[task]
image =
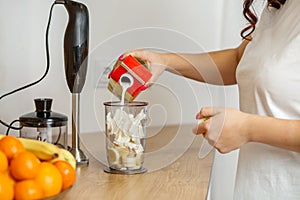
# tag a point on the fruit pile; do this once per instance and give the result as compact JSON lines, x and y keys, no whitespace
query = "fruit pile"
{"x":30,"y":169}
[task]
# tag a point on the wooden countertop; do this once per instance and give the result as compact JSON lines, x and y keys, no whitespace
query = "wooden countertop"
{"x":174,"y":169}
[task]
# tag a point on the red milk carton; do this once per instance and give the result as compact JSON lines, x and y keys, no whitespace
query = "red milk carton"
{"x":136,"y":69}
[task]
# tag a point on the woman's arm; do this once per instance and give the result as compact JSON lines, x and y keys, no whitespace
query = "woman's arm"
{"x":228,"y":129}
{"x":273,"y":131}
{"x":214,"y":67}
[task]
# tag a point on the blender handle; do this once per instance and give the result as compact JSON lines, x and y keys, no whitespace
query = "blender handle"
{"x":76,"y":45}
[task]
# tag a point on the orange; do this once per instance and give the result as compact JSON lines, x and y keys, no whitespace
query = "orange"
{"x":9,"y":177}
{"x":28,"y":190}
{"x":67,"y":172}
{"x":6,"y":187}
{"x":49,"y":178}
{"x":24,"y":166}
{"x":11,"y":146}
{"x":3,"y":162}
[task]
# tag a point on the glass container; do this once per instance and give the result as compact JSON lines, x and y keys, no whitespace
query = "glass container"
{"x":125,"y":137}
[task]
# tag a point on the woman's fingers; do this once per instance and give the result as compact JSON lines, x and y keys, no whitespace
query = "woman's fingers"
{"x":153,"y":61}
{"x":138,"y":53}
{"x":202,"y":127}
{"x":208,"y":112}
{"x":211,"y":123}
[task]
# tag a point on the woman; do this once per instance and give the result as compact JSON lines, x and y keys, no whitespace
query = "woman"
{"x":266,"y":67}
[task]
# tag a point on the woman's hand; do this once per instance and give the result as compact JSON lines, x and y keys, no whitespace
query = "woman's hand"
{"x":156,"y":62}
{"x":224,"y":128}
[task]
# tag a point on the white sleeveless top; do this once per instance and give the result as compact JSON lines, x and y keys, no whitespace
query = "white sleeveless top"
{"x":268,"y":78}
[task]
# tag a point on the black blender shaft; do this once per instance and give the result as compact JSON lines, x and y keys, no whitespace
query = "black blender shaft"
{"x":76,"y":45}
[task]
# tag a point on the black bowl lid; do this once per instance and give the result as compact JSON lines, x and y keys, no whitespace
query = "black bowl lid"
{"x":43,"y":116}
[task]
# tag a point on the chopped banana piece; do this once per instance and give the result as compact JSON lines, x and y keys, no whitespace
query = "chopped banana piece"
{"x":113,"y":156}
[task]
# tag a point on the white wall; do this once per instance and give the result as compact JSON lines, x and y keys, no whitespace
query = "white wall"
{"x":117,"y":26}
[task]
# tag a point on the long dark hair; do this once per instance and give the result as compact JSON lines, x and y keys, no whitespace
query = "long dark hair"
{"x":250,"y":16}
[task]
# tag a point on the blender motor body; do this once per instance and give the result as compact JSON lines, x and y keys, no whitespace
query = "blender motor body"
{"x":76,"y":47}
{"x":76,"y":41}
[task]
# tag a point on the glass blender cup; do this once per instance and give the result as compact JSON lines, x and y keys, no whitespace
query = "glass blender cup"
{"x":125,"y":137}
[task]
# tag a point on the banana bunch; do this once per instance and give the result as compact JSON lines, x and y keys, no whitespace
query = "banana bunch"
{"x":46,"y":151}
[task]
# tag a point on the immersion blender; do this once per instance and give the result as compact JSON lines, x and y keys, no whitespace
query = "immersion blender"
{"x":76,"y":46}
